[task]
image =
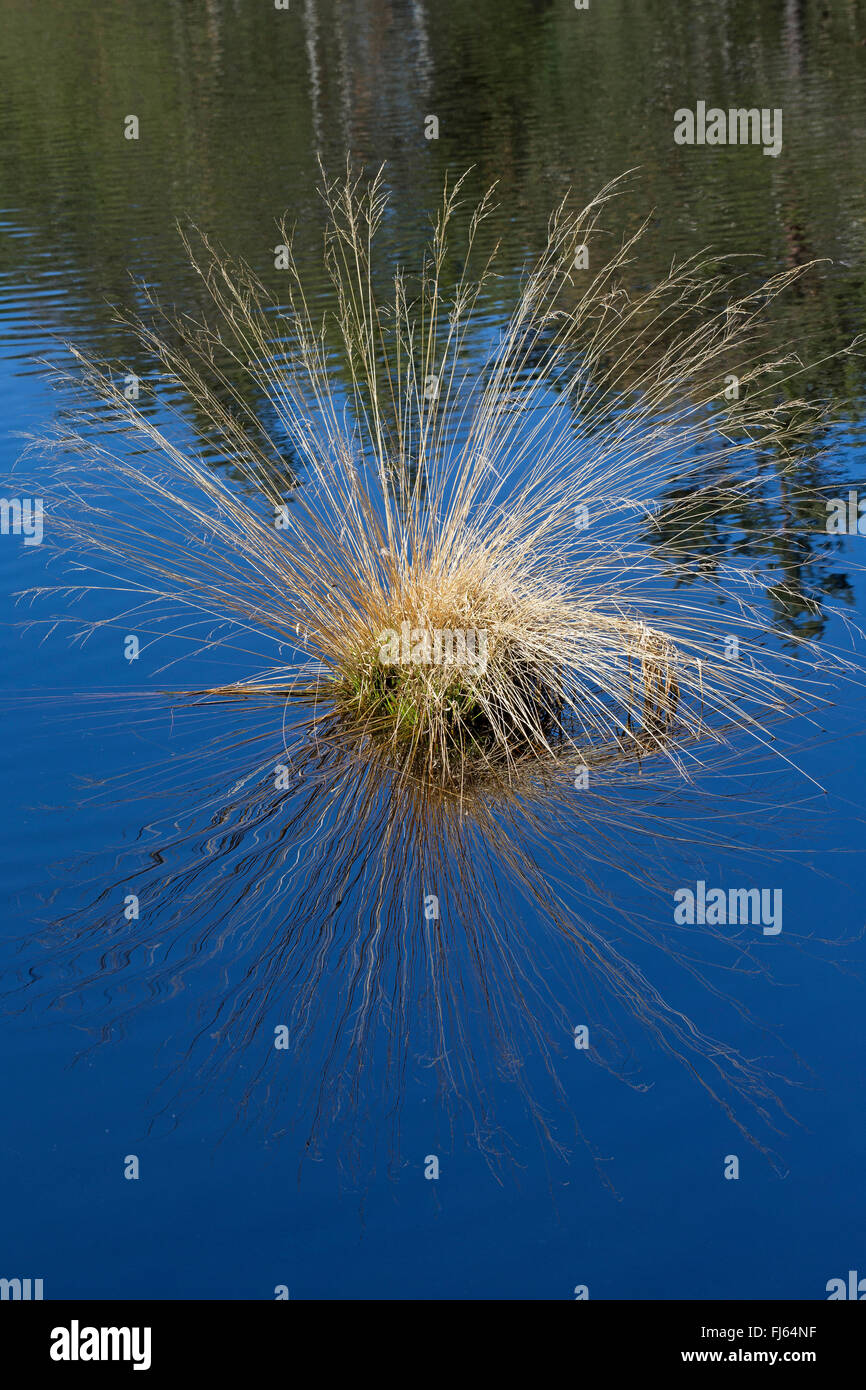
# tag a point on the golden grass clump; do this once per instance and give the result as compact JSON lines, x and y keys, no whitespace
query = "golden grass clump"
{"x":451,"y":528}
{"x":454,"y":560}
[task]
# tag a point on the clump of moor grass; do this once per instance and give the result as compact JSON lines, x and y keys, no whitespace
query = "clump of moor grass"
{"x":454,"y":669}
{"x":445,"y":479}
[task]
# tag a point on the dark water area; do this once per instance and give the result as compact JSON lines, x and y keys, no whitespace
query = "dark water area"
{"x":305,"y":1166}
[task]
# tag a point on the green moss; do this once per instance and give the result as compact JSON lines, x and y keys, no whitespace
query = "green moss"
{"x":436,"y":712}
{"x":396,"y":702}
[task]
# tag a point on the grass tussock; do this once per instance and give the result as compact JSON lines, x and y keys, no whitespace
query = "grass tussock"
{"x":426,"y":475}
